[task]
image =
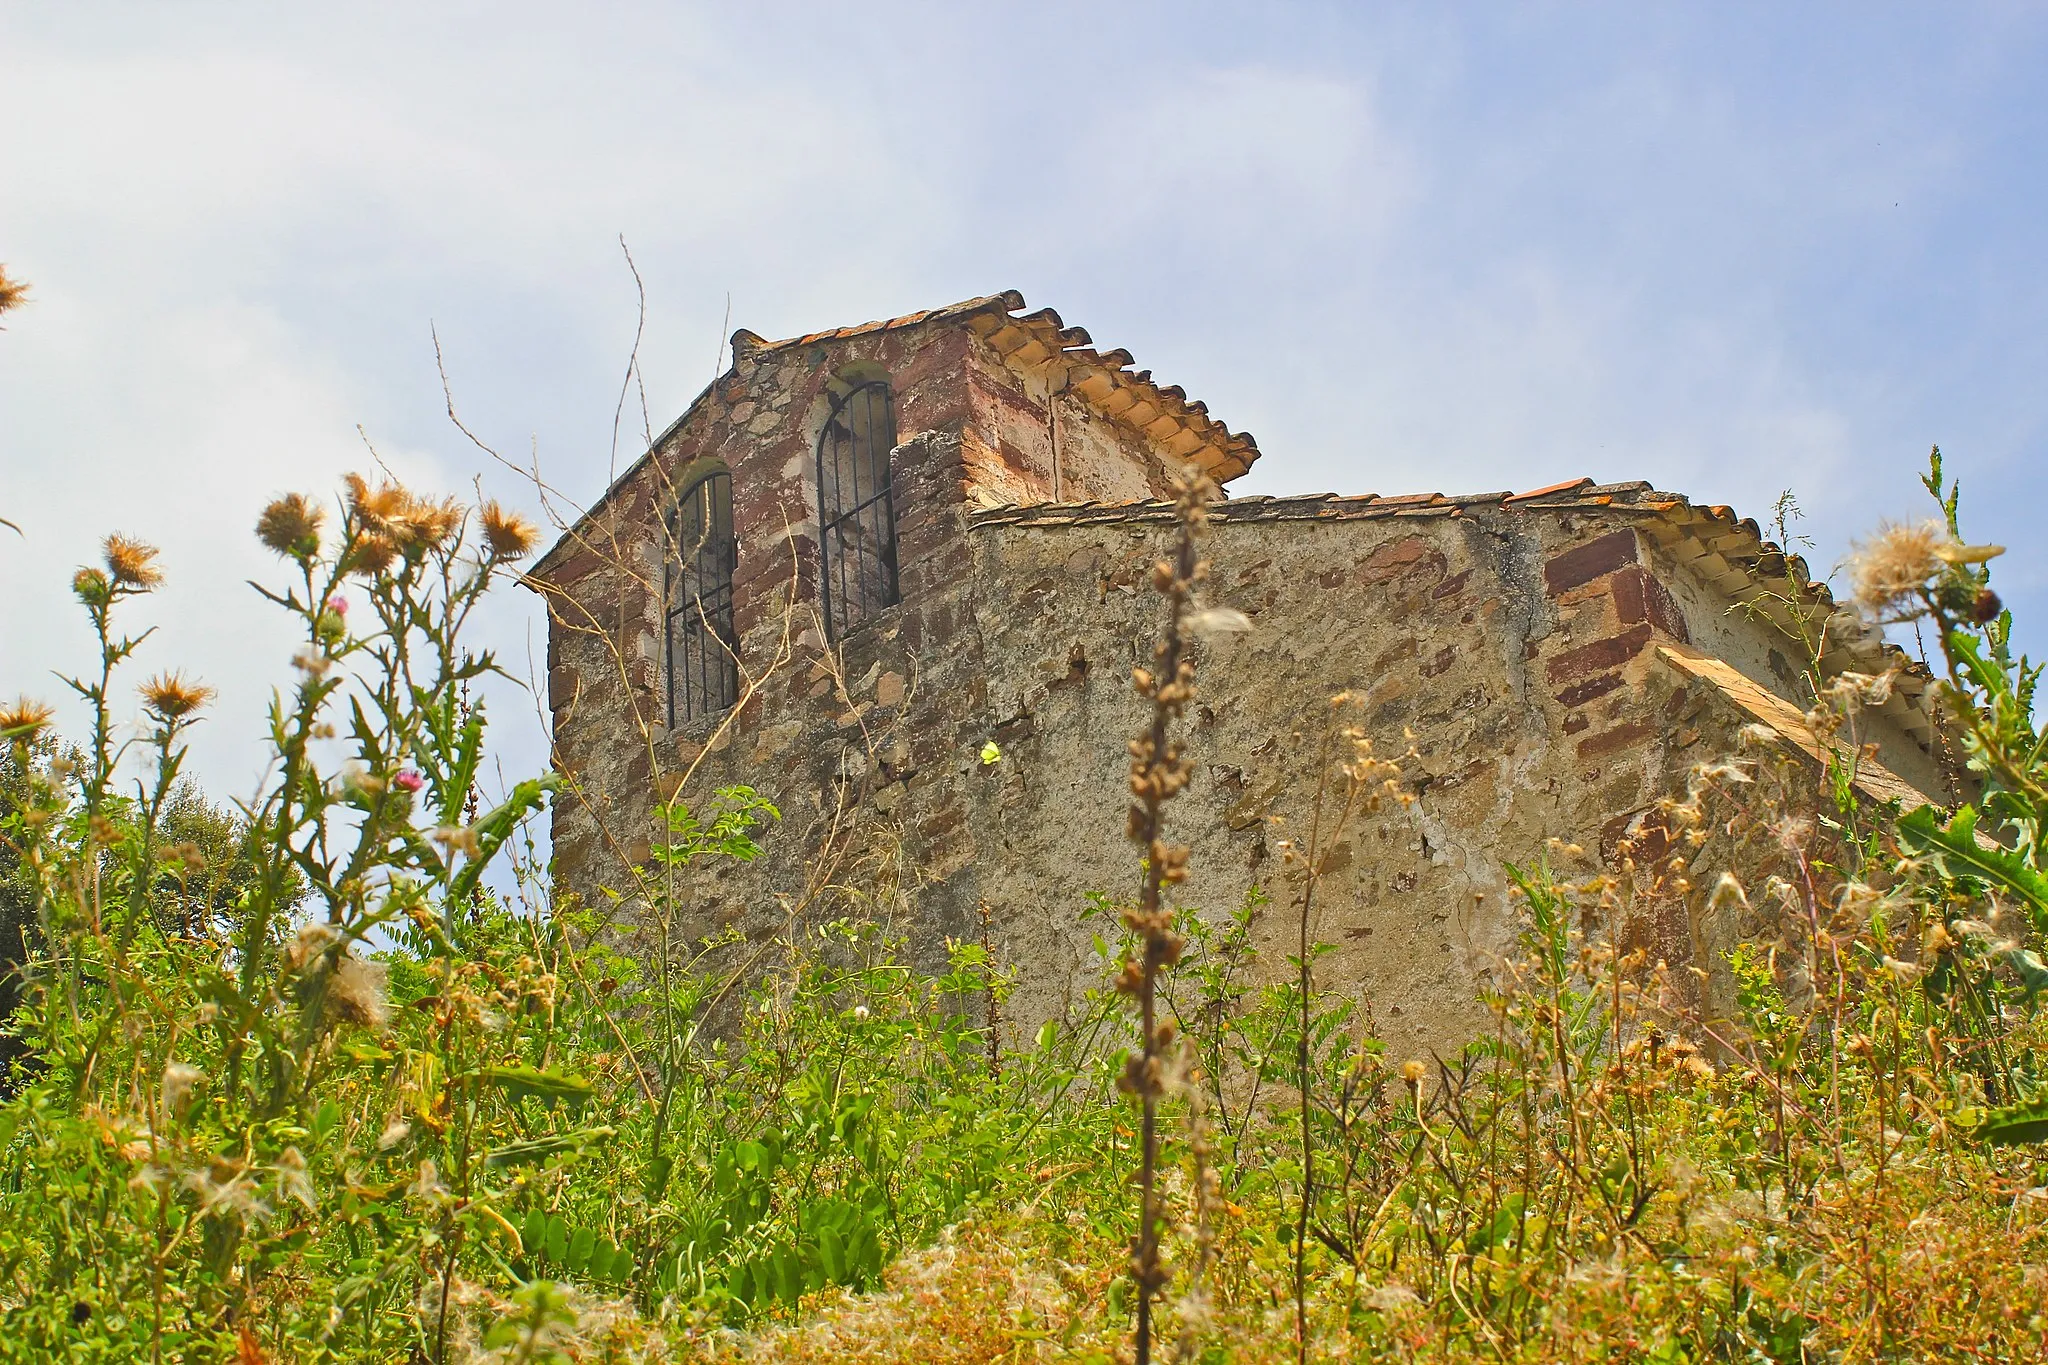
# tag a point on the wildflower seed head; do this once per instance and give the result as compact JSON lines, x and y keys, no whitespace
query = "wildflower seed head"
{"x":24,"y":717}
{"x":1413,"y":1070}
{"x":375,"y":508}
{"x":13,"y":292}
{"x":1888,"y":570}
{"x":172,"y":697}
{"x":426,"y":524}
{"x":178,"y":1084}
{"x":509,"y":535}
{"x":356,"y":994}
{"x":309,"y":943}
{"x":1211,"y":622}
{"x":131,"y":563}
{"x":457,"y":839}
{"x":293,"y":1181}
{"x":371,"y":555}
{"x":291,"y":526}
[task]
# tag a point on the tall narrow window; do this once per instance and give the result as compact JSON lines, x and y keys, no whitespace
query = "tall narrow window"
{"x":703,"y":673}
{"x":856,"y":507}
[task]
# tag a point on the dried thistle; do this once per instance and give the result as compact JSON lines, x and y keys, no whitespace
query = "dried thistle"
{"x":356,"y":992}
{"x":13,"y":292}
{"x":171,"y":697}
{"x":371,"y":555}
{"x":375,"y":509}
{"x":457,"y":839}
{"x":391,"y":520}
{"x":178,"y":1084}
{"x":509,"y":535}
{"x":426,"y":523}
{"x":1888,"y":571}
{"x":293,"y":1180}
{"x":291,"y":525}
{"x":309,"y":943}
{"x":24,"y":717}
{"x":131,"y":563}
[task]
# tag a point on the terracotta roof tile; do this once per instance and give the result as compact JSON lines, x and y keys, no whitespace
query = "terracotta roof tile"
{"x":1104,"y":379}
{"x":1568,"y":486}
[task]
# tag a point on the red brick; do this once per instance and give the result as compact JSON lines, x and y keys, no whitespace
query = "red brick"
{"x":1580,"y":693}
{"x":1403,"y":557}
{"x":1640,"y":598}
{"x":1620,"y":737}
{"x":561,"y":687}
{"x":1598,"y":657}
{"x":1453,"y":585}
{"x":576,"y":567}
{"x":1584,"y":563}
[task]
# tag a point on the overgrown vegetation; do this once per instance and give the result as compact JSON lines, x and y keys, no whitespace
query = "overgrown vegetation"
{"x":303,"y":1082}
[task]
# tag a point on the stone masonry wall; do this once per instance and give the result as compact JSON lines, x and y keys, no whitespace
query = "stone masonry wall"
{"x":1509,"y":646}
{"x":1513,"y":649}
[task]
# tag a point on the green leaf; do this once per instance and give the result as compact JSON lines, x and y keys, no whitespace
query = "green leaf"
{"x":2025,"y":1121}
{"x":1507,"y":1218}
{"x":324,"y":1119}
{"x":537,"y":1151}
{"x":525,"y":1082}
{"x":580,"y":1246}
{"x":1959,"y":852}
{"x":534,"y":1231}
{"x":496,"y":827}
{"x":556,"y":1240}
{"x":740,"y":1282}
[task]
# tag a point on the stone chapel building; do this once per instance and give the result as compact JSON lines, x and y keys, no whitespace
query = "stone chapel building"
{"x":863,"y":556}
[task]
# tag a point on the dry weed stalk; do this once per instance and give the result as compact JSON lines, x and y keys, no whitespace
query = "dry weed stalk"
{"x":1158,"y":773}
{"x":1368,"y":784}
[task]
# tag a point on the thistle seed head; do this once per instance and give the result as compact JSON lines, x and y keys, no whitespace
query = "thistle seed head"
{"x":509,"y":535}
{"x":1888,"y":570}
{"x":131,"y":563}
{"x":24,"y":717}
{"x":172,"y":697}
{"x":291,"y":525}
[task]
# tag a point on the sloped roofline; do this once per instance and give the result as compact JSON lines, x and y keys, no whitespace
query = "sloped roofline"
{"x":1730,"y":555}
{"x":1033,"y":341}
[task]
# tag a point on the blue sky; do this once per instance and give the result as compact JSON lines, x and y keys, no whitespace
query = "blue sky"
{"x":1731,"y":249}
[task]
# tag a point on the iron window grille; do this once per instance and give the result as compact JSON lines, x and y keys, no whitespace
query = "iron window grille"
{"x":703,"y":669}
{"x":857,"y":508}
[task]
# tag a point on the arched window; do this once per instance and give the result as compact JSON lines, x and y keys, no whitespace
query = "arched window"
{"x":856,"y":507}
{"x":703,"y":673}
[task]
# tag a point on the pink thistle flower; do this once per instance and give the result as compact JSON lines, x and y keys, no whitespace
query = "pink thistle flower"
{"x":408,"y":780}
{"x":338,"y":605}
